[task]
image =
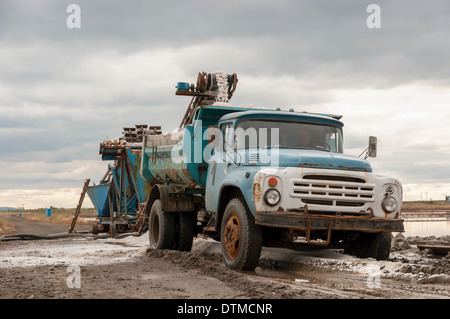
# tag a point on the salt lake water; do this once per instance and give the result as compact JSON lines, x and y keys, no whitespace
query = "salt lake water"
{"x":427,"y":227}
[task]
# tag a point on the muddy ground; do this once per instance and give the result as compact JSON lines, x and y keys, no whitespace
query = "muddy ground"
{"x":127,"y":268}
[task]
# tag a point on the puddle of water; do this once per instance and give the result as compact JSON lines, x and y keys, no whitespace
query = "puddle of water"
{"x":152,"y":276}
{"x":278,"y":274}
{"x":301,"y":280}
{"x":64,"y":252}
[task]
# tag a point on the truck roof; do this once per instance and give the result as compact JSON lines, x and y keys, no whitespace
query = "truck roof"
{"x":210,"y":114}
{"x":287,"y":115}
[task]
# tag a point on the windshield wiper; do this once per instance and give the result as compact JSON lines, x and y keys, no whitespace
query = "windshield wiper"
{"x":322,"y":148}
{"x":283,"y":146}
{"x":317,"y":147}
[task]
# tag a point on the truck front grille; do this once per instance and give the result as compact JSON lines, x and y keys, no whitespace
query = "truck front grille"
{"x":334,"y":191}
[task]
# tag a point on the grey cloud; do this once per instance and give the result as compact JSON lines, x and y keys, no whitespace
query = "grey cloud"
{"x":305,"y":39}
{"x":413,"y":166}
{"x":63,"y":91}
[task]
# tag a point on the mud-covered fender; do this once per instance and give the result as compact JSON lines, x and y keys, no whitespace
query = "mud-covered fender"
{"x":242,"y":179}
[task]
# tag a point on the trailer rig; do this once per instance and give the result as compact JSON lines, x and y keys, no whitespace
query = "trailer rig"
{"x":121,"y":195}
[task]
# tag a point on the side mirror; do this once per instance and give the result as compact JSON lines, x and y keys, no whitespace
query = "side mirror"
{"x":372,"y":151}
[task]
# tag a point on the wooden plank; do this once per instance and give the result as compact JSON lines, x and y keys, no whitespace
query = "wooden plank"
{"x":437,"y":249}
{"x":80,"y":202}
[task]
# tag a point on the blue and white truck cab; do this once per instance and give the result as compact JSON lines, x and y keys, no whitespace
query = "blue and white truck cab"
{"x":289,"y":172}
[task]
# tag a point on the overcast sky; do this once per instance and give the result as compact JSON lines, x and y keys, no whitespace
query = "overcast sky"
{"x":64,"y":90}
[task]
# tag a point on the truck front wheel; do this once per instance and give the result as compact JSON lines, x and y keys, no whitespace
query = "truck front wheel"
{"x":161,"y":227}
{"x":241,"y":238}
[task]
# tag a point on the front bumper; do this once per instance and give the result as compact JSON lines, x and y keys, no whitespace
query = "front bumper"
{"x":311,"y":222}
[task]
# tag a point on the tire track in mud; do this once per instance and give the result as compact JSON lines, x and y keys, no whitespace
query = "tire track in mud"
{"x":251,"y":288}
{"x":254,"y":285}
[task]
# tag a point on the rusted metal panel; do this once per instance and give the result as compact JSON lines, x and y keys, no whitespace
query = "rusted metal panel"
{"x":174,"y":199}
{"x":257,"y":192}
{"x":299,"y":221}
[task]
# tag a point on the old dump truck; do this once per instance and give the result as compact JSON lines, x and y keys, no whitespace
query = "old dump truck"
{"x":247,"y":177}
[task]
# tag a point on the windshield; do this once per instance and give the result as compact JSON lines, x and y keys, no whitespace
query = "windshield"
{"x":288,"y":134}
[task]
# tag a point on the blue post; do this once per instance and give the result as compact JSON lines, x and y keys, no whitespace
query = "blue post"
{"x":48,"y":212}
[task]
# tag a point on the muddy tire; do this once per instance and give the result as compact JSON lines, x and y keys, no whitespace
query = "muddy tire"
{"x":241,"y":238}
{"x":377,"y":246}
{"x":161,"y":227}
{"x":95,"y":229}
{"x":185,"y":231}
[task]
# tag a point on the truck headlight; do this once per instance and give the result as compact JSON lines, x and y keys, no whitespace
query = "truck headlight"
{"x":389,"y":204}
{"x":272,"y":197}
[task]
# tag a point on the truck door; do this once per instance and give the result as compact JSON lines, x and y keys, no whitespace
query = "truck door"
{"x":218,"y":167}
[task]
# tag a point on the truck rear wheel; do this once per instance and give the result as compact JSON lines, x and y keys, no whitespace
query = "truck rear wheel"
{"x":241,"y":238}
{"x":376,"y":246}
{"x":161,"y":227}
{"x":185,"y":231}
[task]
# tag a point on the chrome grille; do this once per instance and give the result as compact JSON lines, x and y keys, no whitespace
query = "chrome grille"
{"x":328,"y":190}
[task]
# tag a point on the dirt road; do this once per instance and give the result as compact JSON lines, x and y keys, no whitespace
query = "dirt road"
{"x":25,"y":226}
{"x":127,"y":268}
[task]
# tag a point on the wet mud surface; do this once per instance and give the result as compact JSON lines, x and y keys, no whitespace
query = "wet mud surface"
{"x":128,"y":268}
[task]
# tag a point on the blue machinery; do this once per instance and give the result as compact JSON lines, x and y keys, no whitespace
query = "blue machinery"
{"x":120,"y":196}
{"x":142,"y":158}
